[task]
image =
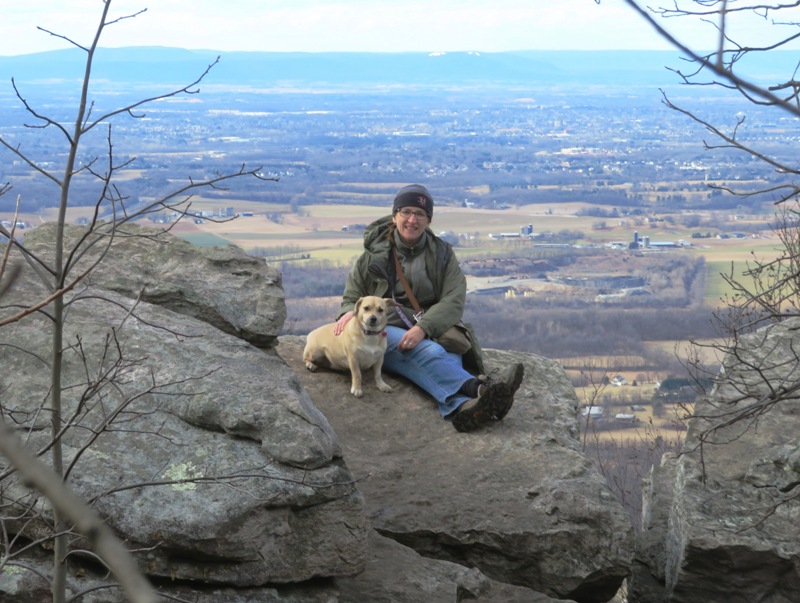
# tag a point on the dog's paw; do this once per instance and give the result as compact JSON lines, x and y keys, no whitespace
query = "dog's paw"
{"x":311,"y":366}
{"x":384,"y":387}
{"x":356,"y":391}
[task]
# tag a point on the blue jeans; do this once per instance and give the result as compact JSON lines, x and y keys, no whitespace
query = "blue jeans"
{"x":431,"y":367}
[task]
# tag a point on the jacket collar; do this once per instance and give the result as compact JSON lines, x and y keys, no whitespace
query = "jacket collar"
{"x":411,"y":250}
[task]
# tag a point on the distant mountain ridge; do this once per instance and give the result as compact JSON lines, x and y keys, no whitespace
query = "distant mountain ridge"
{"x":534,"y":67}
{"x":163,"y":65}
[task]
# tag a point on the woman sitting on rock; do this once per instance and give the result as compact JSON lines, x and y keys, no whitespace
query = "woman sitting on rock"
{"x":428,"y":343}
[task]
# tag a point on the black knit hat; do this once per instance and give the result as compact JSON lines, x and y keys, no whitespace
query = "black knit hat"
{"x":414,"y":195}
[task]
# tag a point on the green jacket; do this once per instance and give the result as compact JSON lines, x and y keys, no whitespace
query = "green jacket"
{"x":374,"y":274}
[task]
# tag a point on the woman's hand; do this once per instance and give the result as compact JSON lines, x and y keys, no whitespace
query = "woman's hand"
{"x":411,"y":338}
{"x":343,"y":320}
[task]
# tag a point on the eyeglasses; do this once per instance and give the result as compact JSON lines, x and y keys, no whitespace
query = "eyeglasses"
{"x":407,"y":213}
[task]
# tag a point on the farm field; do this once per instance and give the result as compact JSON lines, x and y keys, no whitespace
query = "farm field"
{"x":320,"y":219}
{"x":643,"y":420}
{"x":317,"y":233}
{"x":629,"y":417}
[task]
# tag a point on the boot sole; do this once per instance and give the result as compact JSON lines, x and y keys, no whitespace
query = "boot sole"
{"x":516,"y":381}
{"x":495,"y":400}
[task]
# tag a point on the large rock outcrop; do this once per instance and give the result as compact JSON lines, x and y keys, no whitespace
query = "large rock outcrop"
{"x":273,"y":501}
{"x":518,"y":500}
{"x":221,"y":471}
{"x":721,"y":521}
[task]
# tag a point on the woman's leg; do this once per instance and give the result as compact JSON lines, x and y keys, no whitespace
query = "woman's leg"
{"x":431,"y":367}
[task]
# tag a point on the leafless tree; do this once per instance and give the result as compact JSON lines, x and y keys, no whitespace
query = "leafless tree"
{"x":62,"y":278}
{"x":595,"y":377}
{"x":767,"y":292}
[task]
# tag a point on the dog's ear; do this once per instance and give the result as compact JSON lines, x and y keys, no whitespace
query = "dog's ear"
{"x":358,"y":305}
{"x":390,"y":303}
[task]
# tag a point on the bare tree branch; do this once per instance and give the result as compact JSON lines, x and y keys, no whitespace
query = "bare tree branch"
{"x":115,"y":555}
{"x":758,"y":374}
{"x":100,"y":402}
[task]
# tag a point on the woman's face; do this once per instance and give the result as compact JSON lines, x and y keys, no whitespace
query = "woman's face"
{"x":411,"y":224}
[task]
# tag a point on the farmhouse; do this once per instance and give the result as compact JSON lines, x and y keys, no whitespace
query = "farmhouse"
{"x":593,"y":412}
{"x":626,"y":419}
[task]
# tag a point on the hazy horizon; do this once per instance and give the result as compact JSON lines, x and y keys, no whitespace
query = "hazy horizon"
{"x":347,"y":26}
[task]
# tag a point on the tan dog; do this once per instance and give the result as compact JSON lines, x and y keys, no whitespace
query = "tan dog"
{"x":360,"y":346}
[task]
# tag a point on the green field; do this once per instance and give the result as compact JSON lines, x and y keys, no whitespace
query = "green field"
{"x":732,"y":260}
{"x":717,"y":288}
{"x":202,"y":239}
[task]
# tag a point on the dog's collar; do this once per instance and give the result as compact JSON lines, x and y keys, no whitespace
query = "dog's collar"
{"x":368,"y":332}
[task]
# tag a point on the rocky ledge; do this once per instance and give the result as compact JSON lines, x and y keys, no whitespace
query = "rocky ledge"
{"x":237,"y":475}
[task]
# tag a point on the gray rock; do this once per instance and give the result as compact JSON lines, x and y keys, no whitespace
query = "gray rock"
{"x":276,"y":504}
{"x":517,"y":500}
{"x":19,"y":586}
{"x":272,"y":502}
{"x":396,"y":574}
{"x":236,"y":293}
{"x":647,"y":581}
{"x":728,"y":513}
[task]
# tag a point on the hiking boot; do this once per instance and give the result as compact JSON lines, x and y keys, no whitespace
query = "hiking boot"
{"x":493,"y":399}
{"x":512,"y":376}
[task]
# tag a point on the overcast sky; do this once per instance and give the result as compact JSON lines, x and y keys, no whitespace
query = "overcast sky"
{"x":335,"y":25}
